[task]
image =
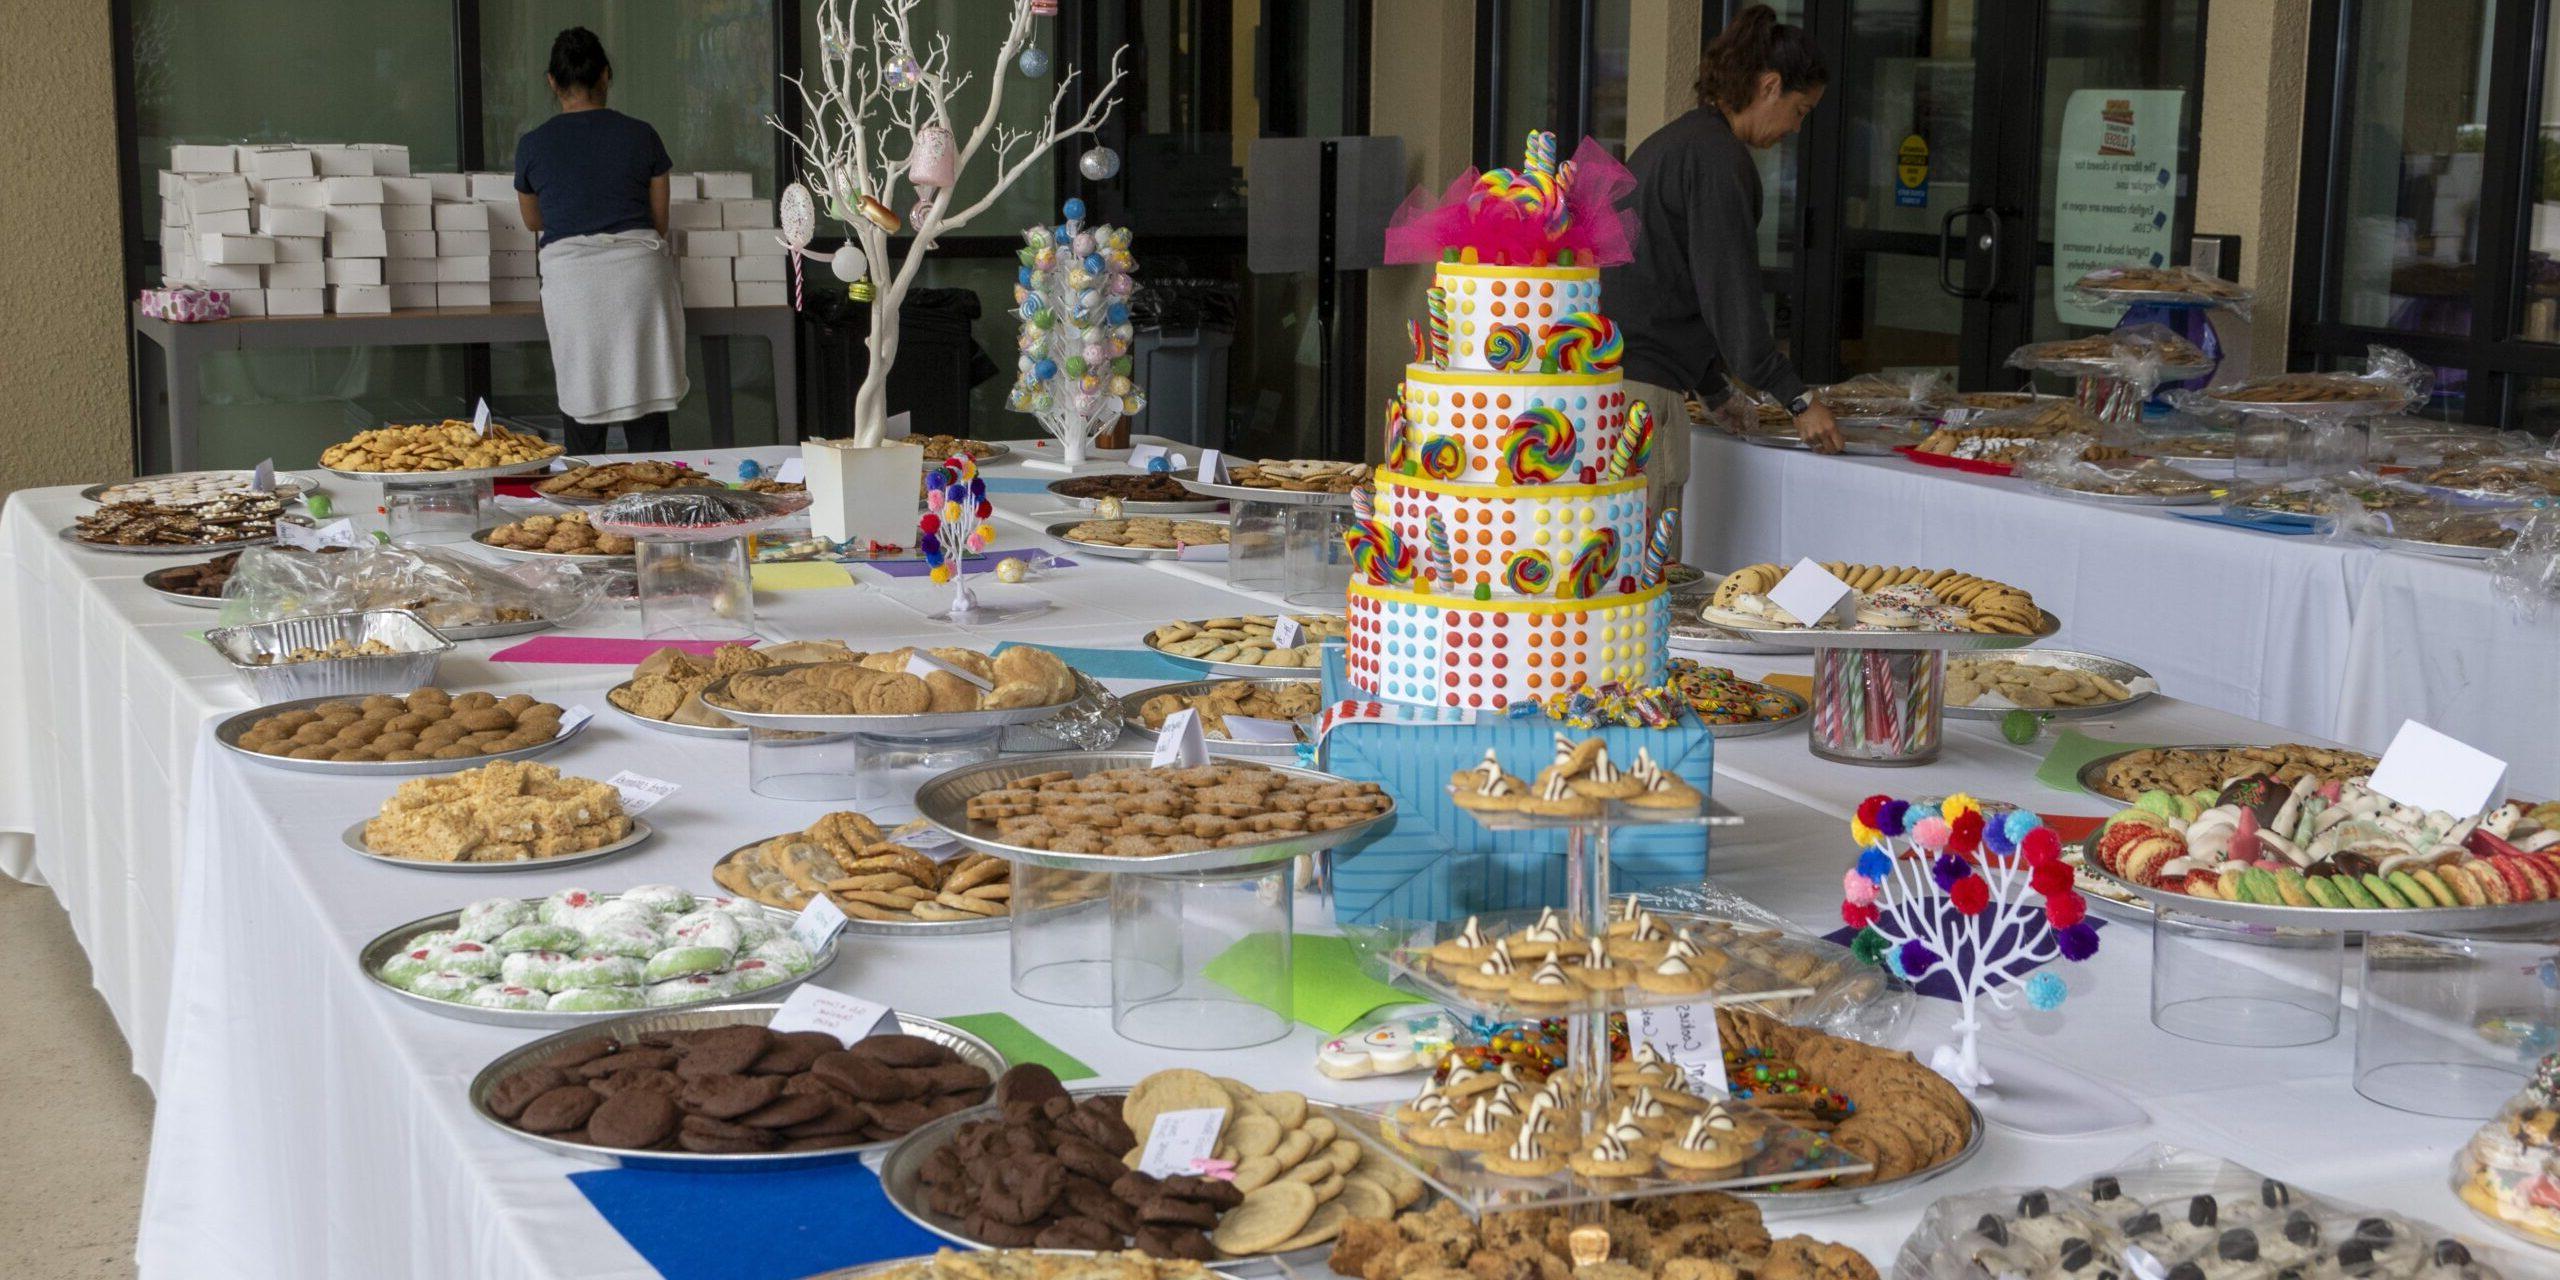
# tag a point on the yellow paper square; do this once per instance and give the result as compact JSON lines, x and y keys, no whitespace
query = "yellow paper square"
{"x":805,"y":576}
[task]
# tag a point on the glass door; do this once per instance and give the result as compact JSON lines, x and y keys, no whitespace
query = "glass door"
{"x":1965,"y":147}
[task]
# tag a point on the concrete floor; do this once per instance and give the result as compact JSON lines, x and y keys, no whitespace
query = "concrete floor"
{"x":77,"y":1123}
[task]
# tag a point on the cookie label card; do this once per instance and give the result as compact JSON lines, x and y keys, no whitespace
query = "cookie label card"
{"x":1213,"y":467}
{"x":1258,"y":729}
{"x":639,"y":793}
{"x":791,"y":471}
{"x":818,"y":923}
{"x":1180,"y":742}
{"x":1286,"y":633}
{"x":900,"y":426}
{"x":574,"y":719}
{"x":333,"y":533}
{"x":2425,"y":769}
{"x":1140,"y":456}
{"x":1179,"y":1140}
{"x":921,"y":664}
{"x":1809,"y":592}
{"x":811,"y":1007}
{"x":929,"y":840}
{"x":263,"y":477}
{"x":1686,"y":1034}
{"x":480,"y":417}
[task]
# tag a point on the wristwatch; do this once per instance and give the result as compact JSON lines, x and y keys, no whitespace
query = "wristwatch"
{"x":1802,"y":402}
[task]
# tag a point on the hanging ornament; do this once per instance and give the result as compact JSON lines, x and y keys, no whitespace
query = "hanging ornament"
{"x":860,"y":291}
{"x":1034,"y":62}
{"x":848,"y":262}
{"x":930,"y":161}
{"x":799,"y":223}
{"x":1100,"y":164}
{"x":1044,"y":8}
{"x":902,"y":72}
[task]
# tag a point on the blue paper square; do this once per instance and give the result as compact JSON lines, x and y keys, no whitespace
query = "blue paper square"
{"x":755,"y":1226}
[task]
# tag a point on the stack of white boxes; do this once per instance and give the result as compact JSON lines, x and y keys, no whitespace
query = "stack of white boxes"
{"x":296,"y":230}
{"x":728,"y":252}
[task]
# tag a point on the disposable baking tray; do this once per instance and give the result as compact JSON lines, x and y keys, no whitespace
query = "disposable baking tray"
{"x":353,"y":838}
{"x":229,"y":732}
{"x":1132,"y":703}
{"x":418,"y":649}
{"x":631,"y":1026}
{"x":716,"y":694}
{"x":2116,"y":669}
{"x":392,"y":941}
{"x":883,"y":928}
{"x":874,"y":1270}
{"x":1110,"y":552}
{"x":1757,"y":728}
{"x":944,"y":801}
{"x":1131,"y":507}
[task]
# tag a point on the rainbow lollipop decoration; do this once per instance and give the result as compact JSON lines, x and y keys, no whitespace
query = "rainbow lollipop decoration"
{"x":1399,"y":436}
{"x":953,"y":524}
{"x":1581,"y":342}
{"x":1377,"y":554}
{"x":1659,"y":546}
{"x":1444,"y":569}
{"x":1507,"y":347}
{"x":1588,"y":573}
{"x":1527,"y":572}
{"x":1538,"y":446}
{"x":1421,"y":339}
{"x":1443,"y":457}
{"x":1634,"y":446}
{"x":1436,"y":303}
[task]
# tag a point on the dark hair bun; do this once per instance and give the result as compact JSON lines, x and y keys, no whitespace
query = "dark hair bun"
{"x":1754,"y":44}
{"x":577,"y":59}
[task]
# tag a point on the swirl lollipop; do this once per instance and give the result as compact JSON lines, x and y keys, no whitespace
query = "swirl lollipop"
{"x":1435,"y":304}
{"x":1527,"y":572}
{"x":1366,"y":541}
{"x":1538,"y":446}
{"x":1443,"y":457}
{"x":1659,"y":548}
{"x":1589,"y":572}
{"x":1443,"y":566}
{"x":1582,"y":342}
{"x":1634,"y":446}
{"x":1507,"y":347}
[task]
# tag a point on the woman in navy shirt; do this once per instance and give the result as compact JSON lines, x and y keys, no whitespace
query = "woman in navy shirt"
{"x":593,"y":182}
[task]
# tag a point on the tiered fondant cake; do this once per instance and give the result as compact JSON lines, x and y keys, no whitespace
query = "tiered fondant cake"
{"x":1504,"y":553}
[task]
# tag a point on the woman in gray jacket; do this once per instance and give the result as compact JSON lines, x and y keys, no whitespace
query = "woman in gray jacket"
{"x":1690,"y":302}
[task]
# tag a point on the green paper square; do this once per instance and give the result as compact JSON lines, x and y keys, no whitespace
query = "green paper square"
{"x":1019,"y":1043}
{"x":1327,"y":988}
{"x":2072,"y":749}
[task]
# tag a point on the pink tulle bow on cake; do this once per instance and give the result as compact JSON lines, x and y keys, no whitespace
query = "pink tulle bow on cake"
{"x":1531,"y":216}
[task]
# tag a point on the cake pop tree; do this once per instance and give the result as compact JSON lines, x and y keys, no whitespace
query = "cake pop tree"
{"x":888,"y":95}
{"x":1072,"y":368}
{"x":1979,"y":897}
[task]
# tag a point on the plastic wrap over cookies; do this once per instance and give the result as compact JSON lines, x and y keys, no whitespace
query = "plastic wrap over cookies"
{"x":696,"y":515}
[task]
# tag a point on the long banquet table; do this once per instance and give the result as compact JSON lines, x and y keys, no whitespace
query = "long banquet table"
{"x":308,"y":1126}
{"x":2336,"y":639}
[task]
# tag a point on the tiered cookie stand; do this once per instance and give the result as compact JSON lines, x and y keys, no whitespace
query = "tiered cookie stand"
{"x":421,"y":508}
{"x":876,"y":759}
{"x":1285,"y":541}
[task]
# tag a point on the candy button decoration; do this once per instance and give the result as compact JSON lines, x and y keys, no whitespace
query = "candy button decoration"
{"x":1538,"y":446}
{"x":1582,"y":342}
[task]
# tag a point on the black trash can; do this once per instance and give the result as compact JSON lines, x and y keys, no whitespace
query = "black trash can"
{"x":939,"y":360}
{"x":1186,"y":326}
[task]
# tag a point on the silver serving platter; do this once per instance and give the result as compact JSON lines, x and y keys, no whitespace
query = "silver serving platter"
{"x":71,"y":534}
{"x":353,"y":838}
{"x":2440,"y":550}
{"x":714,"y":696}
{"x":882,"y":928}
{"x":496,"y":630}
{"x":535,"y":467}
{"x":229,"y":732}
{"x":300,"y":483}
{"x":627,"y":1026}
{"x":1106,"y":550}
{"x":1132,"y":507}
{"x":901,"y":1179}
{"x":1268,"y":497}
{"x":2104,"y":896}
{"x":2092,"y":773}
{"x":2173,"y":297}
{"x":583,"y":503}
{"x":153,"y":579}
{"x":392,"y":941}
{"x":2116,"y":669}
{"x":1829,"y":1199}
{"x":2337,"y":919}
{"x":2067,"y":493}
{"x":1239,"y":669}
{"x":2310,"y":410}
{"x":731,"y":733}
{"x":1131,"y":703}
{"x":1693,"y":634}
{"x":1756,"y":728}
{"x":1838,"y":638}
{"x":944,"y":802}
{"x":997,"y":450}
{"x":873,"y":1270}
{"x":481,"y":536}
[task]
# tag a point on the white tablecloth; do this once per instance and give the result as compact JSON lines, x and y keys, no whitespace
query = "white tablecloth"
{"x":2319,"y":637}
{"x":310,"y":1127}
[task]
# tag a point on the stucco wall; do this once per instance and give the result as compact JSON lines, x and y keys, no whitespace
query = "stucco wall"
{"x":2249,"y":170}
{"x":1422,"y":84}
{"x":62,"y":354}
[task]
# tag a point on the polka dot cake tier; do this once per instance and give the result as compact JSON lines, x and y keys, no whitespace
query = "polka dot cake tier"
{"x":1498,"y":315}
{"x":1417,"y":648}
{"x":1515,"y":540}
{"x":1484,"y":415}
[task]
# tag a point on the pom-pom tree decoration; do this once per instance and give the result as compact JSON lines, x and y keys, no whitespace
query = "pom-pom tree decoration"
{"x":1073,"y":366}
{"x":1980,"y":897}
{"x":953,"y":526}
{"x":884,"y":113}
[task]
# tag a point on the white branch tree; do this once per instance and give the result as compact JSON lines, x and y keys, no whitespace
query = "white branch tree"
{"x":857,"y":143}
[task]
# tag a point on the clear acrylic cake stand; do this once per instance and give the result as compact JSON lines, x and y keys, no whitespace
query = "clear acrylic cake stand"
{"x":1788,"y":1155}
{"x":429,"y":512}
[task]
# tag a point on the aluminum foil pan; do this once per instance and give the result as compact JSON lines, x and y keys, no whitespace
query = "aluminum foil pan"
{"x":418,"y":648}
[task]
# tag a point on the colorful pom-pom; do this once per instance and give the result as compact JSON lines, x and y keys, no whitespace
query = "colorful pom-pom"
{"x":1913,"y":960}
{"x":2077,"y":941}
{"x":1949,"y":870}
{"x":1857,"y":889}
{"x":2018,"y":822}
{"x":2050,"y":878}
{"x":2046,"y":992}
{"x":1869,"y":946}
{"x":1930,"y":834}
{"x":1958,"y":805}
{"x":1857,"y":915}
{"x":1969,"y":895}
{"x":1872,"y":806}
{"x":1862,"y":834}
{"x":1875,"y":864}
{"x":1995,"y":839}
{"x":2066,"y":909}
{"x":1964,"y":831}
{"x":1892,"y":818}
{"x":2040,"y":846}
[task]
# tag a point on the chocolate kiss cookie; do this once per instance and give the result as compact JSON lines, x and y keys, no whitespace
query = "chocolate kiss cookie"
{"x":633,"y":1120}
{"x":902,"y":1051}
{"x":559,"y":1110}
{"x":706,"y":1136}
{"x":723,"y":1051}
{"x":728,"y":1097}
{"x":1019,"y":1191}
{"x":1028,"y":1082}
{"x":866,"y":1078}
{"x":1077,"y":1233}
{"x":509,"y":1096}
{"x":788,"y":1110}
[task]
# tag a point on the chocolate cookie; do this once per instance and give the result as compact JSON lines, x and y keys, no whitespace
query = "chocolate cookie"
{"x":726,"y":1097}
{"x":1077,"y":1233}
{"x":794,"y":1051}
{"x":580,"y":1053}
{"x":1028,"y":1082}
{"x":1086,"y":1199}
{"x":1091,"y":1161}
{"x":1166,"y":1210}
{"x":1020,"y":1191}
{"x":510,"y":1095}
{"x":723,"y":1051}
{"x":866,"y":1077}
{"x":627,"y":1060}
{"x":634,"y":1120}
{"x":954,"y":1077}
{"x":621,"y":1082}
{"x":1135,"y":1188}
{"x":902,"y":1117}
{"x":1004,"y":1235}
{"x":902,"y":1051}
{"x":1173,"y":1242}
{"x":1212,"y":1192}
{"x":559,"y":1110}
{"x":827,"y":1143}
{"x":841,"y":1117}
{"x":707,"y":1136}
{"x":786,"y":1111}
